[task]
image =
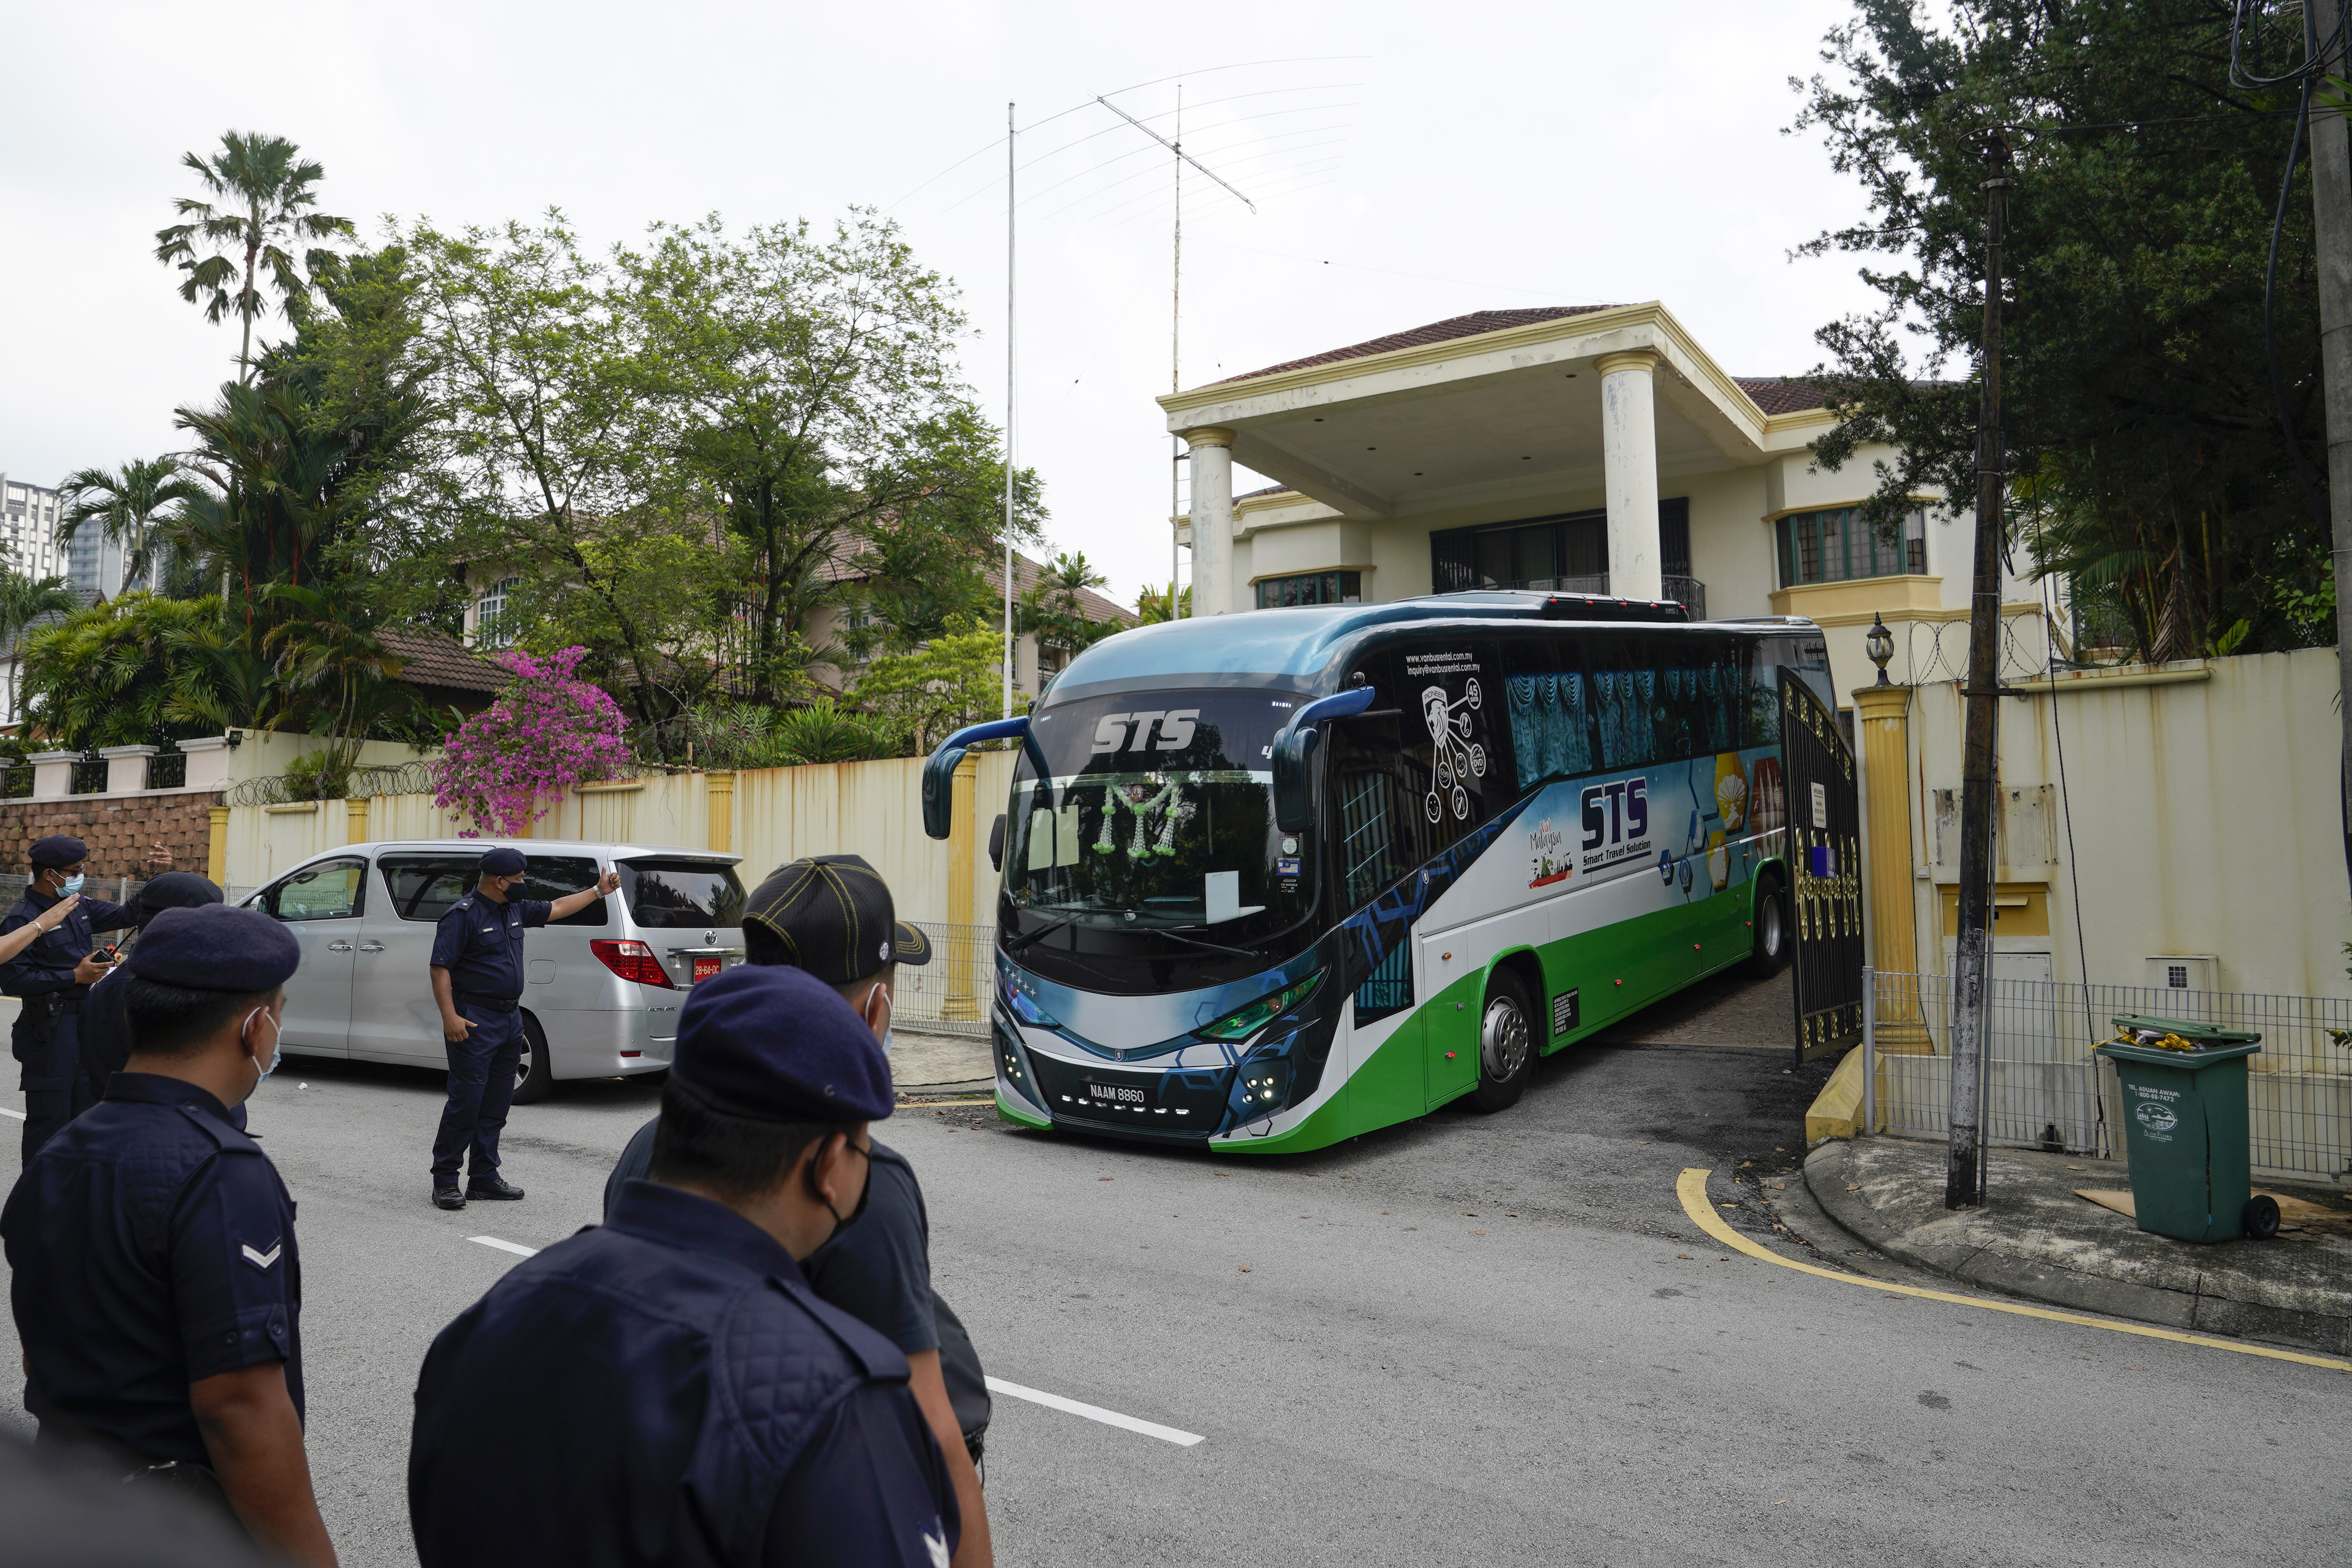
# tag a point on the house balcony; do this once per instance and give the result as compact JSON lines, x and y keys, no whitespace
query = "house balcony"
{"x":1687,"y":591}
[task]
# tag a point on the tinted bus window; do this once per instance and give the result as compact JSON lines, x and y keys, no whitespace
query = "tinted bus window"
{"x":1551,"y":710}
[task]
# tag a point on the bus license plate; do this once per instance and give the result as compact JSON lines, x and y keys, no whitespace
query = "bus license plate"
{"x":1115,"y":1094}
{"x":705,"y":968}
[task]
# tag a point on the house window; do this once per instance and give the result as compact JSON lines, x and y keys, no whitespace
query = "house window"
{"x":1568,"y":553}
{"x":492,"y":625}
{"x":1837,"y":546}
{"x":1314,"y":588}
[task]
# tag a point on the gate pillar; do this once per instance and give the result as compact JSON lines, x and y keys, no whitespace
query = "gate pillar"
{"x":1884,"y":714}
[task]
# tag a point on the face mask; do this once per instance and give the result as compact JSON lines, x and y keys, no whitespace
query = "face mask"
{"x":277,"y":1045}
{"x":71,"y":885}
{"x":841,"y":1222}
{"x":889,"y":1013}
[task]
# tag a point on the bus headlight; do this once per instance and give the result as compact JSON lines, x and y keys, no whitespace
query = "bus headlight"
{"x":1240,"y":1025}
{"x":1024,"y":1007}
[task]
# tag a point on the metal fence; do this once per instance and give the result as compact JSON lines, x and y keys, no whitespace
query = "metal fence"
{"x":950,"y":995}
{"x":358,"y":783}
{"x":2042,"y":1088}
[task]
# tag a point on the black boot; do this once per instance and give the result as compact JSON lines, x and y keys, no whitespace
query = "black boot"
{"x":493,"y":1186}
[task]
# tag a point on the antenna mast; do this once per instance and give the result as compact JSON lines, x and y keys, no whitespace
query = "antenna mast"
{"x":1009,"y":136}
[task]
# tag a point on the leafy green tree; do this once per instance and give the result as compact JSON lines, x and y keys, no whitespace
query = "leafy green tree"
{"x":2154,"y":473}
{"x":129,"y":506}
{"x":807,"y":384}
{"x":923,"y":695}
{"x":258,"y":202}
{"x":23,"y":600}
{"x":1054,"y":608}
{"x":1151,"y":605}
{"x":103,"y":677}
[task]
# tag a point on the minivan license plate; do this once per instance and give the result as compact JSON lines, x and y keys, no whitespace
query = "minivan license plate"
{"x":704,"y":968}
{"x":1115,"y":1094}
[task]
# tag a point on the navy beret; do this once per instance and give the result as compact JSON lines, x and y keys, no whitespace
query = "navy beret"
{"x":775,"y":1043}
{"x":176,"y":891}
{"x":215,"y":947}
{"x":502,"y":862}
{"x":58,"y":849}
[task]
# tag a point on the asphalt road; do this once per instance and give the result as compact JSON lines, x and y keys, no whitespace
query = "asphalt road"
{"x":1471,"y":1340}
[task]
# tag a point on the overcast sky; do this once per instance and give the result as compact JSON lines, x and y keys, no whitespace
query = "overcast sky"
{"x":1408,"y":163}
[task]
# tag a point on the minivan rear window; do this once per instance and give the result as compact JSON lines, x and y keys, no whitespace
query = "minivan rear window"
{"x":677,"y":893}
{"x":424,"y":885}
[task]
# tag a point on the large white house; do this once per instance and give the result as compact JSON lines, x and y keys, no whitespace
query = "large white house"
{"x":1580,"y":448}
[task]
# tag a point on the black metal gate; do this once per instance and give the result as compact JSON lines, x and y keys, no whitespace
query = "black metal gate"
{"x":1824,"y":826}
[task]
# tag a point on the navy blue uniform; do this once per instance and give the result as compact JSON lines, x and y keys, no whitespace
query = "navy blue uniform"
{"x":104,"y":1044}
{"x":479,"y":943}
{"x":153,"y":1248}
{"x":47,"y":1025}
{"x":666,"y":1389}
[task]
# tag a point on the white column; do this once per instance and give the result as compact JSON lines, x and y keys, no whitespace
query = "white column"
{"x":1213,"y":520}
{"x":1629,"y":453}
{"x":126,"y":768}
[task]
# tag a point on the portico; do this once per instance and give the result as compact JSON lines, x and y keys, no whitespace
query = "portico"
{"x":1582,"y":448}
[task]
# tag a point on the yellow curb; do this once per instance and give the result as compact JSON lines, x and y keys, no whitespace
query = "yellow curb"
{"x":1691,"y":1187}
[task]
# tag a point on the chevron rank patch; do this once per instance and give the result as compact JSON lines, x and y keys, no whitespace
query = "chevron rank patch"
{"x":262,"y":1260}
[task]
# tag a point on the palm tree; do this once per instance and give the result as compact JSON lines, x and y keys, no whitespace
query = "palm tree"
{"x":1151,"y":605}
{"x":127,"y":504}
{"x":265,"y":199}
{"x":23,"y":601}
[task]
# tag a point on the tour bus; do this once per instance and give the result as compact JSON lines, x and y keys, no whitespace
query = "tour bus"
{"x":1277,"y":878}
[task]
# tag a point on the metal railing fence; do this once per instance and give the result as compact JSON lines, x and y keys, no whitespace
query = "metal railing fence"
{"x":2042,"y":1088}
{"x":949,"y":995}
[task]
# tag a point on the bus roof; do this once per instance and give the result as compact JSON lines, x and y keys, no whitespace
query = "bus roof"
{"x":1298,"y":642}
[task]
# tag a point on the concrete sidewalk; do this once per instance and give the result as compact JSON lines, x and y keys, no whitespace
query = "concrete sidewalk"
{"x":924,"y":1066}
{"x":2033,"y":1237}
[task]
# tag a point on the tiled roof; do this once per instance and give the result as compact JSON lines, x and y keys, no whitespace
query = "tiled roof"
{"x":1452,"y":327}
{"x":1025,"y":577}
{"x":429,"y":658}
{"x":1269,"y":490}
{"x":1783,"y":395}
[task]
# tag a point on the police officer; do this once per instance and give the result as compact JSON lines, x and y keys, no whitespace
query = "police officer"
{"x":50,"y":978}
{"x":157,"y":1289}
{"x":664,"y":1388}
{"x":477,"y":977}
{"x":833,"y":916}
{"x":104,"y":1045}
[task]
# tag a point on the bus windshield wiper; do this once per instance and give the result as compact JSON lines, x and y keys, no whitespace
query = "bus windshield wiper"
{"x":1027,"y":937}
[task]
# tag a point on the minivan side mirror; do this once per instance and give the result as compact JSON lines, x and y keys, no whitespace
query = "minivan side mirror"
{"x":996,"y":842}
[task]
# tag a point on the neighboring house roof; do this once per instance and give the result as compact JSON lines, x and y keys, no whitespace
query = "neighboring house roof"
{"x":1452,"y":327}
{"x":1783,"y":394}
{"x":85,"y":598}
{"x":429,"y":658}
{"x":1025,"y":572}
{"x":1772,"y":393}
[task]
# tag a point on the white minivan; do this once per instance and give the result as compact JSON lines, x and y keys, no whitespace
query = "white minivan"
{"x":601,"y":988}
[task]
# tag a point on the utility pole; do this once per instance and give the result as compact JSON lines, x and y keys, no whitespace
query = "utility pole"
{"x":2331,"y":210}
{"x":1176,"y":352}
{"x":1176,"y":334}
{"x":1009,"y":139}
{"x":1971,"y":963}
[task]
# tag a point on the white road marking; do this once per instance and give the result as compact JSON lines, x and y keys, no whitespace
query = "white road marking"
{"x":996,"y":1384}
{"x":17,"y":1114}
{"x":1096,"y":1413}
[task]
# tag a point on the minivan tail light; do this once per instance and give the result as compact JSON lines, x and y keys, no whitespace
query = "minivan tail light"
{"x":632,"y":961}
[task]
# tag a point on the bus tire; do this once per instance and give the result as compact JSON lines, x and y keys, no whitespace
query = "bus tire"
{"x":1770,"y":954}
{"x":1507,"y":1044}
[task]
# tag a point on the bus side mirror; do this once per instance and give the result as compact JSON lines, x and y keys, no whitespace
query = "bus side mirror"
{"x":1293,"y":756}
{"x":938,"y":771}
{"x":1293,"y":779}
{"x":996,"y":842}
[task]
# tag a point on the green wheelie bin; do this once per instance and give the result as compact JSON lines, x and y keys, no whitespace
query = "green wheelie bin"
{"x":2185,"y":1127}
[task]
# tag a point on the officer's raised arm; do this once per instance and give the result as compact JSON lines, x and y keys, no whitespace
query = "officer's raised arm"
{"x":573,"y":903}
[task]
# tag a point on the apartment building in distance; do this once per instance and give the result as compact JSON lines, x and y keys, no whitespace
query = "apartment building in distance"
{"x":28,"y":531}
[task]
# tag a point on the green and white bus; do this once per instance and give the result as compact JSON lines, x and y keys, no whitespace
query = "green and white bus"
{"x":1277,"y":879}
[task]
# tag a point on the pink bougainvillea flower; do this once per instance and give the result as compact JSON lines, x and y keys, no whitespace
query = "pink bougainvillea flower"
{"x":547,"y":731}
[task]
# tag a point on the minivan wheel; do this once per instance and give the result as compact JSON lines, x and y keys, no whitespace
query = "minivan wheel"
{"x":533,"y":1083}
{"x":1506,"y":1045}
{"x":1770,"y":953}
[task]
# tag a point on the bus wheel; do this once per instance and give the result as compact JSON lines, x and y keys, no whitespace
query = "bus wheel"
{"x":1772,"y":952}
{"x":1506,"y":1050}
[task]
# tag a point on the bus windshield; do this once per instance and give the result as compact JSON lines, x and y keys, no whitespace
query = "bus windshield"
{"x":1157,"y":816}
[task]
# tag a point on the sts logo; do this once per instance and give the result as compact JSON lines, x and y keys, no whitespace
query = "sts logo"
{"x":1616,"y":821}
